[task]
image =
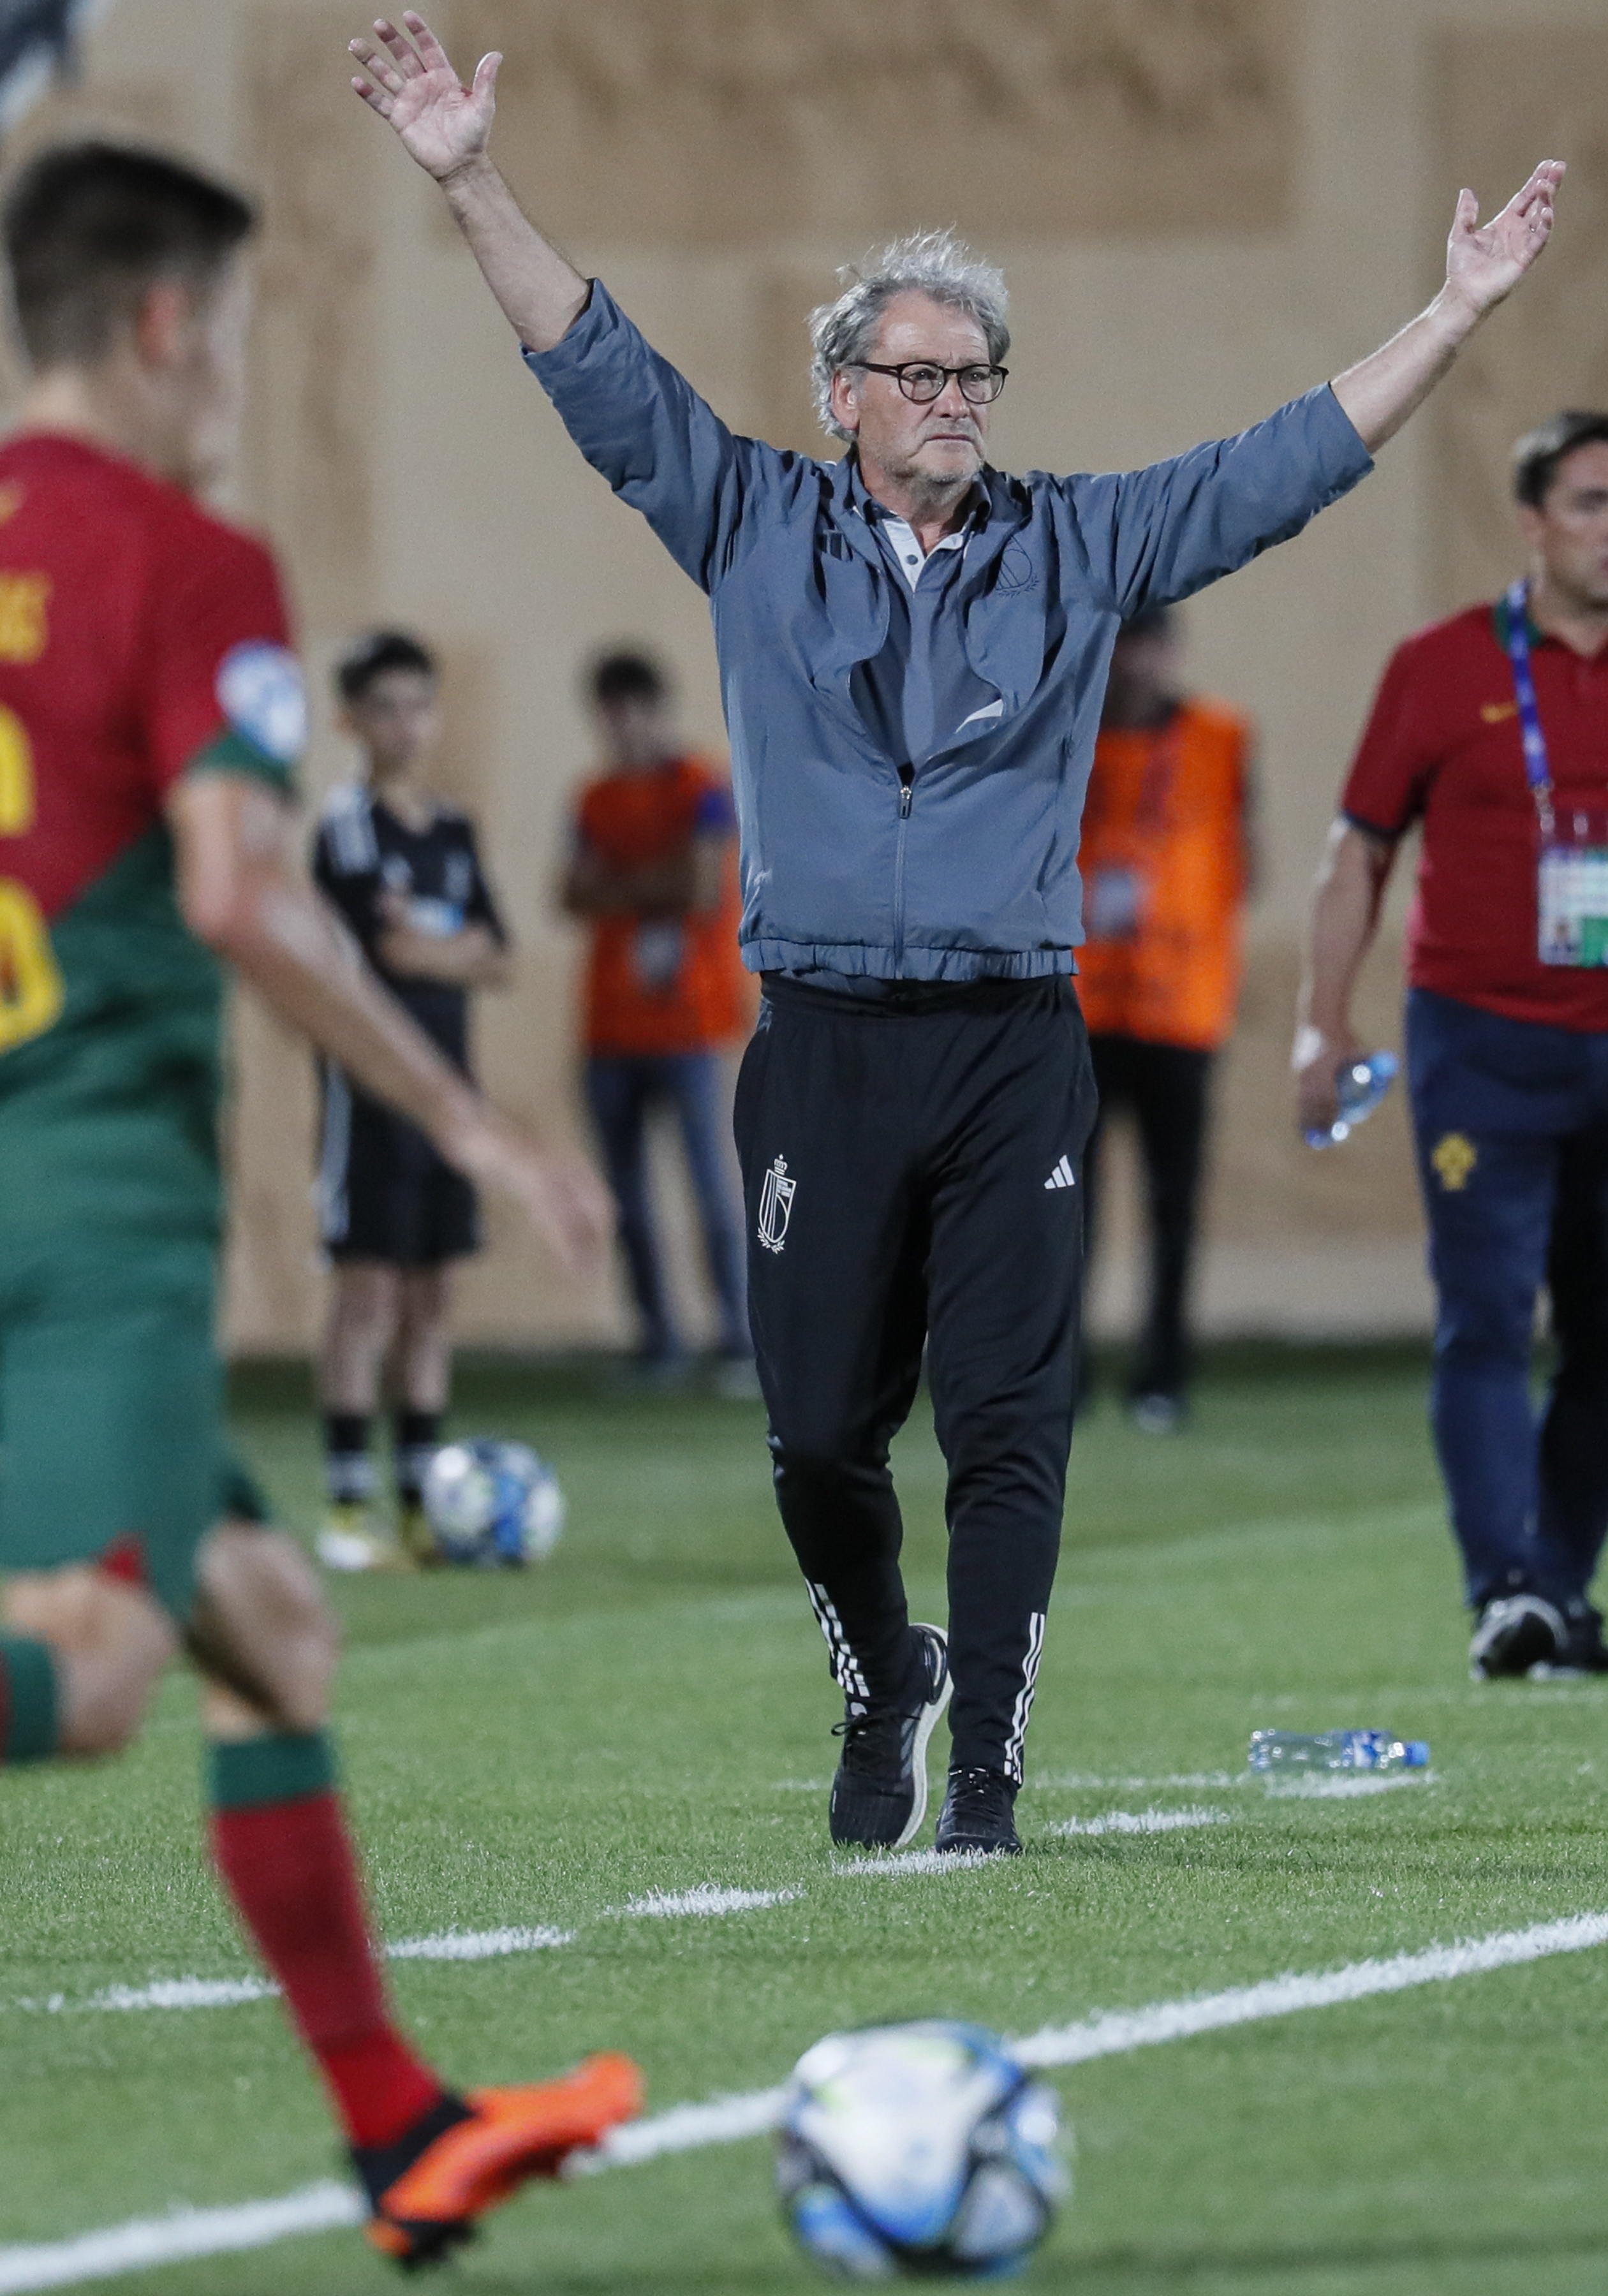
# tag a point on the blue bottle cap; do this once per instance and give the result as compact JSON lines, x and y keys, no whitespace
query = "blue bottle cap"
{"x":1417,"y":1754}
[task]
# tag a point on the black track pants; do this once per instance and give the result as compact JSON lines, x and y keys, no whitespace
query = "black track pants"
{"x":909,"y":1175}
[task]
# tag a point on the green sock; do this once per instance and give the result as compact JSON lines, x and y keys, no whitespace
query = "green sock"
{"x":30,"y":1728}
{"x":245,"y":1773}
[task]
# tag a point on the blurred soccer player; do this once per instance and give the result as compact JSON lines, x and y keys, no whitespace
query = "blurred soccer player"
{"x":1166,"y":866}
{"x":403,"y":870}
{"x":912,"y":650}
{"x":652,"y":873}
{"x":151,"y":716}
{"x":1491,"y":732}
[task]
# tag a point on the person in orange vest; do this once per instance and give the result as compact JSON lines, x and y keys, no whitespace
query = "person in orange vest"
{"x":1166,"y":863}
{"x":652,"y":873}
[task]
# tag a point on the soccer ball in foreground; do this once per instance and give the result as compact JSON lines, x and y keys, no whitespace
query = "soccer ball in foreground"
{"x":492,"y":1504}
{"x":918,"y":2149}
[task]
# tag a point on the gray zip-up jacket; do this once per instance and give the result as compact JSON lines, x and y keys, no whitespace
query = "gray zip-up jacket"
{"x":967,"y":867}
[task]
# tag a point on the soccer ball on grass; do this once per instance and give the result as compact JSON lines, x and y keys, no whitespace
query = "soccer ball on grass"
{"x":921,"y":2149}
{"x":492,"y":1504}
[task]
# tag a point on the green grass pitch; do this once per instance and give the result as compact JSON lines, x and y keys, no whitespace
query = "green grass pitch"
{"x":651,"y":1711}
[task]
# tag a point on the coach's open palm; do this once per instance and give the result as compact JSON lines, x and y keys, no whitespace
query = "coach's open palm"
{"x":409,"y":81}
{"x":1483,"y":266}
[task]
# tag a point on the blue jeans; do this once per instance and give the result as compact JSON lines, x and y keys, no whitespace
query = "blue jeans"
{"x":621,"y":1089}
{"x":1511,"y":1119}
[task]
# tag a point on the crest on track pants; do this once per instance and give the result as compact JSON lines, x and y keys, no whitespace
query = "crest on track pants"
{"x":775,"y":1205}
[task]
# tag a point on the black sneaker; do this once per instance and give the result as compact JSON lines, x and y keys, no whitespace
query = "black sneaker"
{"x":879,"y":1796}
{"x":1513,"y":1632}
{"x":1583,"y":1650}
{"x":979,"y":1816}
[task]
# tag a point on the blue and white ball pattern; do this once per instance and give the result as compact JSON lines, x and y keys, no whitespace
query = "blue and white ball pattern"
{"x":923,"y":2149}
{"x":493,"y":1505}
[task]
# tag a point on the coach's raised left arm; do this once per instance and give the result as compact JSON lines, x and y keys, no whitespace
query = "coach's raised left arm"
{"x":1482,"y":267}
{"x":1157,"y":535}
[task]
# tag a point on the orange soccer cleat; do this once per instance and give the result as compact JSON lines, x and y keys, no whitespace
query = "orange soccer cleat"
{"x":469,"y":2153}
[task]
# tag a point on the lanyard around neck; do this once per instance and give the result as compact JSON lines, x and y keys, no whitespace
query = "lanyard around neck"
{"x":1538,"y":765}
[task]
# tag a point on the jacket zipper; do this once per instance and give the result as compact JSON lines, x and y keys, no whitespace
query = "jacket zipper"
{"x":906,"y":775}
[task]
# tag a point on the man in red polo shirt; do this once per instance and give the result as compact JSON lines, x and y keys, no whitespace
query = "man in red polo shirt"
{"x":1491,"y":731}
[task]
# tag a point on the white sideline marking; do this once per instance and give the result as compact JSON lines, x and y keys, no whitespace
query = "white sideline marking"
{"x":149,"y":2241}
{"x":1114,"y":2034}
{"x":229,"y":1992}
{"x":901,"y":1862}
{"x":476,"y":1945}
{"x":725,"y":2119}
{"x":684,"y":2128}
{"x":175,"y":1993}
{"x":708,"y":1898}
{"x":1141,"y":1821}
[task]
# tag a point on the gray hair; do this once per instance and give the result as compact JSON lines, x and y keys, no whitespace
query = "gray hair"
{"x":934,"y":263}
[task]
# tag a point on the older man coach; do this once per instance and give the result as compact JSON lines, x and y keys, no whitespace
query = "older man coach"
{"x":913,"y":649}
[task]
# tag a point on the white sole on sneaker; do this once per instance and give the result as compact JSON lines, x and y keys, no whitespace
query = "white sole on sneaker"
{"x":924,"y":1728}
{"x":1502,"y":1622}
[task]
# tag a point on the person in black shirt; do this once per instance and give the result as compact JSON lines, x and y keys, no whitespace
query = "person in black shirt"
{"x":403,"y":871}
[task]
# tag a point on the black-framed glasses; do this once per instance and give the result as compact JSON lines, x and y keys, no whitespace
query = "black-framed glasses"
{"x":922,"y":380}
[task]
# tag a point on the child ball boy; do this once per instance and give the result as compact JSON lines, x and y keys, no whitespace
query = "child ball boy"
{"x":403,"y":868}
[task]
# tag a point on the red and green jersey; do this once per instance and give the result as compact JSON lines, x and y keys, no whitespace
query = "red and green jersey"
{"x":139,"y":639}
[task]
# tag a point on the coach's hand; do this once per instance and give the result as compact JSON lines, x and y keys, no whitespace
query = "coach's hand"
{"x":447,"y":126}
{"x":556,"y":1188}
{"x":1318,"y":1059}
{"x":1483,"y":266}
{"x":442,"y":123}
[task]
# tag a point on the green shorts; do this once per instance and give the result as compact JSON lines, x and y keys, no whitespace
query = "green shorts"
{"x":112,"y":1428}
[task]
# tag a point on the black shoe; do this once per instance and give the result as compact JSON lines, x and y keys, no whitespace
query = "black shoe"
{"x":979,"y":1814}
{"x":879,"y":1796}
{"x":1513,"y":1632}
{"x":1583,"y":1650}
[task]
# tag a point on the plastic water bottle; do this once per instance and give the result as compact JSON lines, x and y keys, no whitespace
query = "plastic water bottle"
{"x":1361,"y":1087}
{"x":1336,"y":1749}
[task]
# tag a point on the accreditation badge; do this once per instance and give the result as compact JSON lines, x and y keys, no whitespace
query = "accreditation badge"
{"x":1114,"y":904}
{"x":658,"y":952}
{"x":1572,"y":891}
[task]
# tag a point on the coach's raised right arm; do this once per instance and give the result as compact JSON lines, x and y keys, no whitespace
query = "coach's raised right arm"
{"x":447,"y":128}
{"x":660,"y":447}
